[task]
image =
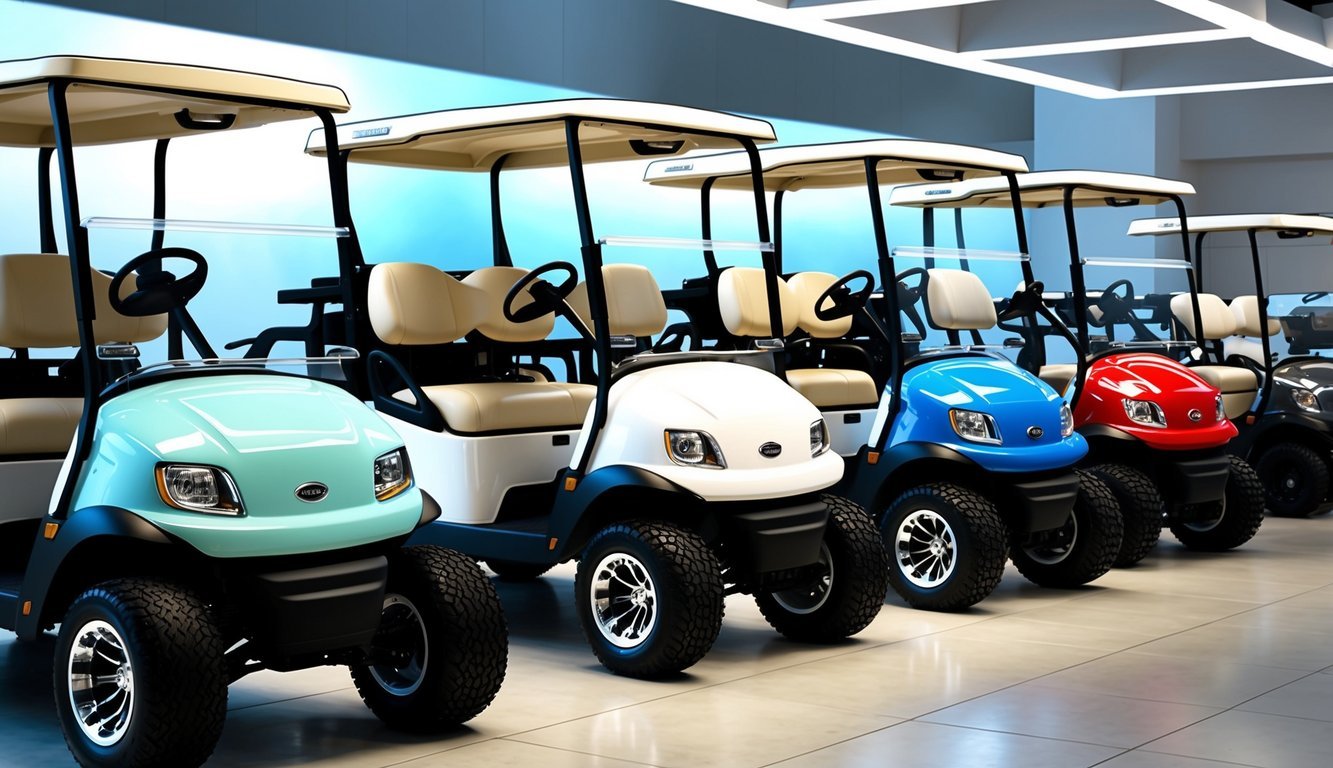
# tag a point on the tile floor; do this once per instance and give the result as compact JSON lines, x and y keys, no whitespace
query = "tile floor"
{"x":1187,"y":661}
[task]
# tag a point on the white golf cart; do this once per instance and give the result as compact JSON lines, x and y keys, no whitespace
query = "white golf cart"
{"x":674,"y":478}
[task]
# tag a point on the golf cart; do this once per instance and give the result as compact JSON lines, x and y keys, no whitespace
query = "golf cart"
{"x":674,"y":479}
{"x":1157,"y":431}
{"x":1285,"y":433}
{"x":190,"y":522}
{"x":971,"y":462}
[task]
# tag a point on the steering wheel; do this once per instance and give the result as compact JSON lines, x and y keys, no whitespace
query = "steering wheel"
{"x":545,"y":297}
{"x":845,"y":301}
{"x":158,"y":291}
{"x":1024,"y":302}
{"x":909,"y":296}
{"x":1115,"y":308}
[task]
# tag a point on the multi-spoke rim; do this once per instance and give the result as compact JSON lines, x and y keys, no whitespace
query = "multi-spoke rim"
{"x":1056,"y":545}
{"x":624,"y":600}
{"x":810,"y":596}
{"x":402,"y":642}
{"x":1203,"y":526}
{"x":101,"y":683}
{"x":926,"y":549}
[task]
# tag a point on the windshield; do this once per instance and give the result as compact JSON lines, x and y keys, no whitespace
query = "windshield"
{"x":1306,"y":321}
{"x":1128,"y":304}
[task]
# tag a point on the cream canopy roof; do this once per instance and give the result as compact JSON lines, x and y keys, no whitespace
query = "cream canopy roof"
{"x":1242,"y":222}
{"x":1045,"y":188}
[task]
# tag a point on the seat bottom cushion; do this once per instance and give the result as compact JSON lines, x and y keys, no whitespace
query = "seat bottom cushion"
{"x":505,"y":405}
{"x":831,"y":387}
{"x":1058,"y":376}
{"x":38,"y":424}
{"x":1238,"y":385}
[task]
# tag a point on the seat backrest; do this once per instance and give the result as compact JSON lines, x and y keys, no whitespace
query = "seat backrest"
{"x":1218,"y":322}
{"x":807,"y":287}
{"x":957,"y":300}
{"x":495,"y":283}
{"x":37,"y":306}
{"x":742,"y":301}
{"x":634,"y":304}
{"x":1246,"y":311}
{"x":412,"y":303}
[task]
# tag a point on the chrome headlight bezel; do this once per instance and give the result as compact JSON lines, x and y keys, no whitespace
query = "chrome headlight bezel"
{"x":975,"y":426}
{"x":681,"y":447}
{"x":387,"y":480}
{"x":1305,"y":399}
{"x":819,"y":438}
{"x":171,"y":478}
{"x":1145,"y":413}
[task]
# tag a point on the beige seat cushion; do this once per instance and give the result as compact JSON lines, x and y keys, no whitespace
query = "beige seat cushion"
{"x":634,"y":304}
{"x":1218,"y":320}
{"x":957,"y":300}
{"x":504,"y":405}
{"x":38,"y":425}
{"x":742,"y":301}
{"x":1238,"y":385}
{"x":830,"y":387}
{"x":807,"y":287}
{"x":37,"y":306}
{"x":495,"y":283}
{"x":1246,"y":311}
{"x":1058,"y":376}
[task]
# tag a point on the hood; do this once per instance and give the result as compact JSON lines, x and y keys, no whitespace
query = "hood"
{"x":977,"y":384}
{"x":1188,"y":403}
{"x":1143,"y":376}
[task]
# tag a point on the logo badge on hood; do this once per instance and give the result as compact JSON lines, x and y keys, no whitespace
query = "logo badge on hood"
{"x":1036,"y":432}
{"x":1195,"y":414}
{"x":312,"y":492}
{"x":770,"y":450}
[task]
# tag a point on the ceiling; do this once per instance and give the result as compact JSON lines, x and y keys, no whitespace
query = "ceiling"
{"x":1095,"y":48}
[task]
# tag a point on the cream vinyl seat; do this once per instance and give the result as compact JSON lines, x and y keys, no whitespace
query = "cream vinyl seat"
{"x":825,"y":387}
{"x":1058,"y":375}
{"x":37,"y":312}
{"x":417,"y":304}
{"x":634,"y":303}
{"x":1248,"y":331}
{"x":1238,"y":385}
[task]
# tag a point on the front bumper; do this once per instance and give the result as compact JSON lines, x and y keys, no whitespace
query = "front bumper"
{"x":759,"y":537}
{"x":1039,"y":503}
{"x":1194,"y":480}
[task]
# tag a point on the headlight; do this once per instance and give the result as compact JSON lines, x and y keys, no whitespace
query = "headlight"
{"x":198,"y":488}
{"x":693,"y":448}
{"x":819,"y":441}
{"x":1221,"y":411}
{"x":975,"y":426}
{"x":393,"y":475}
{"x":1305,"y":399}
{"x":1145,"y":412}
{"x":1066,"y":420}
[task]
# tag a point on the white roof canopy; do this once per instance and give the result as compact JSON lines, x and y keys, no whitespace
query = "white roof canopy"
{"x":114,"y":100}
{"x":1304,"y":224}
{"x":1045,"y":188}
{"x":533,"y":134}
{"x":840,"y":164}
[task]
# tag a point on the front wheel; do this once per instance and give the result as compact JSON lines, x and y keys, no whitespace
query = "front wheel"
{"x":1141,"y":510}
{"x":848,"y":590}
{"x":140,"y":676}
{"x":1226,"y":524}
{"x":442,"y":646}
{"x":1294,"y":477}
{"x":649,"y":597}
{"x":947,"y":546}
{"x":1083,"y":548}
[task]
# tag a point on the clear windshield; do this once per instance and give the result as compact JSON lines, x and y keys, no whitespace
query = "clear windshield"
{"x":1307,"y":324}
{"x":1128,"y":303}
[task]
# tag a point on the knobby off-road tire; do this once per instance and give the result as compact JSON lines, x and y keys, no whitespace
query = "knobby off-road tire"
{"x":1239,"y":514}
{"x":1141,"y":510}
{"x":947,"y":546}
{"x":512,"y":570}
{"x":650,"y":598}
{"x":848,"y":594}
{"x":1294,"y":477}
{"x":443,"y":620}
{"x":1085,"y":547}
{"x":151,"y":689}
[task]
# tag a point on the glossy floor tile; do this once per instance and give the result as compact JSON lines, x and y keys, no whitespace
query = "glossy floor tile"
{"x":1190,"y":660}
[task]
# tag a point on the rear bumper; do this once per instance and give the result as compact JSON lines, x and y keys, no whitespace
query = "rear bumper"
{"x":758,"y":537}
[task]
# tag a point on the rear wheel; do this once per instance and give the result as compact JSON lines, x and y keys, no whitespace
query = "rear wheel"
{"x":649,"y":597}
{"x":947,"y":546}
{"x":1294,"y":477}
{"x":441,"y":650}
{"x":1083,"y":548}
{"x":1141,"y":510}
{"x":1226,"y":524}
{"x":847,"y":592}
{"x":140,"y":677}
{"x":512,"y":570}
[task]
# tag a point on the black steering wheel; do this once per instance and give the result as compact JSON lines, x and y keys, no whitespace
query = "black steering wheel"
{"x":546,"y":298}
{"x":1115,"y":308}
{"x":845,"y":301}
{"x":158,"y":291}
{"x":1024,"y":302}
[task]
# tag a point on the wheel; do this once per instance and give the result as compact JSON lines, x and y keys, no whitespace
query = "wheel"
{"x":849,"y":590}
{"x":1081,"y":550}
{"x":649,"y":597}
{"x":947,"y":545}
{"x":441,"y":650}
{"x":512,"y":570}
{"x":1232,"y":521}
{"x":140,"y":676}
{"x":1294,"y":477}
{"x":1141,"y":510}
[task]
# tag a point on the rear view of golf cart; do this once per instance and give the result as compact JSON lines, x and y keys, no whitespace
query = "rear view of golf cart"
{"x":190,"y":522}
{"x":674,"y":479}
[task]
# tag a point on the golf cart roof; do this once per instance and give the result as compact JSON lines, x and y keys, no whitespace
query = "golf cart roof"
{"x":840,"y":164}
{"x":1297,"y":225}
{"x":114,"y":100}
{"x":532,"y":135}
{"x":1045,"y":188}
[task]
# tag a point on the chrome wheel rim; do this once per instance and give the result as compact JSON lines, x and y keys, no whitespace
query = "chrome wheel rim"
{"x":623,"y":599}
{"x":811,"y":596}
{"x":1057,"y":546}
{"x":1203,"y":526}
{"x":101,"y":683}
{"x":925,"y":549}
{"x":402,"y":636}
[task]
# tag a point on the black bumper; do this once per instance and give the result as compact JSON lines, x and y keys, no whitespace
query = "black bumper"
{"x":1195,"y":480}
{"x":1038,"y":504}
{"x":757,"y":538}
